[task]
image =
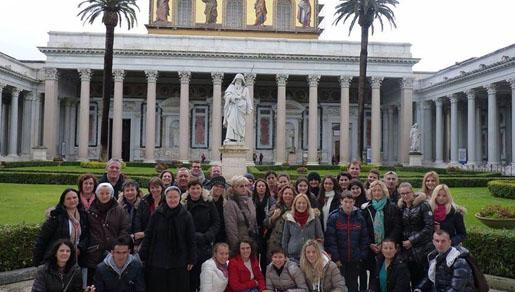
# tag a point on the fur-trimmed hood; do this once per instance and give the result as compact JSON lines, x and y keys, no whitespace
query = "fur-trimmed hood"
{"x":451,"y":255}
{"x":205,"y":196}
{"x":419,"y":199}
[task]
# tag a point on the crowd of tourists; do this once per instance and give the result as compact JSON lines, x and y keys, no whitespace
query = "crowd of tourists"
{"x":197,"y":232}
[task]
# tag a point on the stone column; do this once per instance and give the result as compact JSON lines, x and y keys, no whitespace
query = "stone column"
{"x":391,"y":137}
{"x":68,"y":129}
{"x":116,"y":137}
{"x":471,"y":127}
{"x":250,"y":120}
{"x":493,"y":127}
{"x":376,"y":119}
{"x":454,"y":129}
{"x":85,"y":79}
{"x":313,"y":120}
{"x":13,"y":127}
{"x":51,"y":111}
{"x":280,"y":151}
{"x":406,"y":118}
{"x":184,"y":116}
{"x":150,"y":129}
{"x":479,"y":134}
{"x":34,"y":120}
{"x":439,"y":132}
{"x":344,"y":119}
{"x":2,"y":85}
{"x":27,"y":118}
{"x":427,"y":131}
{"x":512,"y":83}
{"x":216,"y":123}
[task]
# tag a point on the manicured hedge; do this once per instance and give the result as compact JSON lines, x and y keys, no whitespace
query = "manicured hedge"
{"x":502,"y":188}
{"x":53,"y":178}
{"x":37,"y":163}
{"x":16,"y":242}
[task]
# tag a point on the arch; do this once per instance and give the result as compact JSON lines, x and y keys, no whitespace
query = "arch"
{"x":234,"y":14}
{"x":284,"y":17}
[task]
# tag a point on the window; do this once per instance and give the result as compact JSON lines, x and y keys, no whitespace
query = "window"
{"x":265,"y":128}
{"x":184,"y":12}
{"x":199,"y":126}
{"x":283,"y":14}
{"x":235,"y":14}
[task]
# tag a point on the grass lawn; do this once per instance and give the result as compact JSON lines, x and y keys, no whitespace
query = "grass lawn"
{"x":27,"y":203}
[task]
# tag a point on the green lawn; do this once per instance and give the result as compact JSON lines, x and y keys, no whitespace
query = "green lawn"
{"x":27,"y":203}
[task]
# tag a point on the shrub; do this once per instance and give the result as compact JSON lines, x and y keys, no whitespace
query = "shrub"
{"x":497,"y":211}
{"x":52,"y":178}
{"x":502,"y":188}
{"x":5,"y":164}
{"x":302,"y":170}
{"x":97,"y":164}
{"x":17,"y":242}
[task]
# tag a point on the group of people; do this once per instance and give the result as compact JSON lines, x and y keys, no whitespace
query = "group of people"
{"x":196,"y":232}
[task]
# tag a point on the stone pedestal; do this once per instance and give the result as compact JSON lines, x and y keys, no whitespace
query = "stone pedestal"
{"x":415,"y":159}
{"x":234,"y":160}
{"x":39,"y":153}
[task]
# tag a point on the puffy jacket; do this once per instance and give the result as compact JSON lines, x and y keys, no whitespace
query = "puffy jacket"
{"x":291,"y":278}
{"x":449,"y":271}
{"x":294,"y":236}
{"x":56,"y":227}
{"x":49,"y":280}
{"x":454,"y":225}
{"x":104,"y":227}
{"x":169,"y":240}
{"x":239,"y":275}
{"x":117,"y":187}
{"x":143,"y":212}
{"x":240,"y":219}
{"x":397,"y":276}
{"x":332,"y":280}
{"x":109,"y":278}
{"x":392,"y":221}
{"x":212,"y":279}
{"x":417,"y":227}
{"x":346,"y":237}
{"x":207,"y":223}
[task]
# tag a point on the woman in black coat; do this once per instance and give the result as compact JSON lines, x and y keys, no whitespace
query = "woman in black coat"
{"x":391,"y":273}
{"x":67,"y":221}
{"x":448,"y":216}
{"x":358,"y":192}
{"x":168,"y":249}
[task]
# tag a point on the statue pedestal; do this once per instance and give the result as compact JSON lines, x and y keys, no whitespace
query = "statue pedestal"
{"x":234,"y":160}
{"x":415,"y":159}
{"x":39,"y":153}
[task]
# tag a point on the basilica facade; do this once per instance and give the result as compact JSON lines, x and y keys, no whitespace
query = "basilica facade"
{"x":169,"y":87}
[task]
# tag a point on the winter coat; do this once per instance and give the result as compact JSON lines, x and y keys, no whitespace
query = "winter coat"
{"x":117,"y":187}
{"x":49,"y":280}
{"x":240,"y":220}
{"x":56,"y":227}
{"x":211,"y":278}
{"x":394,"y":196}
{"x":392,"y":221}
{"x":262,"y":210}
{"x":291,"y":278}
{"x":397,"y":276}
{"x":131,"y":211}
{"x":160,"y":248}
{"x":449,"y":271}
{"x":275,"y":229}
{"x":109,"y":278}
{"x":143,"y":212}
{"x":335,"y":204}
{"x":294,"y":236}
{"x":239,"y":275}
{"x":220,"y":236}
{"x":417,"y":227}
{"x":104,"y":228}
{"x":454,"y":225}
{"x":346,"y":237}
{"x":206,"y":221}
{"x":332,"y":280}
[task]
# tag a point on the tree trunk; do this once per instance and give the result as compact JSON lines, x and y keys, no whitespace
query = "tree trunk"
{"x":362,"y":89}
{"x":107,"y":90}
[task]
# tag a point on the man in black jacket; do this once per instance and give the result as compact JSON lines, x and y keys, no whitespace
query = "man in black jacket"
{"x":120,"y":271}
{"x":448,"y":267}
{"x":113,"y":175}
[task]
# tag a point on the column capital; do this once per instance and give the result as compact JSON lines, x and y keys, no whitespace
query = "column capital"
{"x":15,"y":92}
{"x":454,"y":98}
{"x":151,"y":75}
{"x":427,"y":104}
{"x":407,"y":83}
{"x":439,"y":101}
{"x":281,"y":79}
{"x":511,"y":81}
{"x":85,"y":74}
{"x":249,"y":79}
{"x":2,"y":85}
{"x":217,"y":77}
{"x":313,"y":80}
{"x":119,"y":74}
{"x":471,"y":94}
{"x":345,"y":81}
{"x":375,"y":82}
{"x":491,"y":89}
{"x":51,"y":73}
{"x":185,"y":77}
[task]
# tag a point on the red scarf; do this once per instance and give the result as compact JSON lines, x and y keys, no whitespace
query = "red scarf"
{"x":301,"y":218}
{"x":439,"y":213}
{"x":87,"y":202}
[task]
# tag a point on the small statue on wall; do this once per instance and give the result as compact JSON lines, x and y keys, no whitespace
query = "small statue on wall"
{"x":163,"y":10}
{"x":210,"y":11}
{"x":260,"y":8}
{"x":304,"y":13}
{"x":415,"y":137}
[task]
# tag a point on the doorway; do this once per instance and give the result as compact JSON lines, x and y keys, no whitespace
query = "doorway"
{"x":126,"y":139}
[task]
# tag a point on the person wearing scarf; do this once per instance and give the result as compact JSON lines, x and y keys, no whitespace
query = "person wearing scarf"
{"x":214,"y":275}
{"x":447,"y":215}
{"x":87,"y":186}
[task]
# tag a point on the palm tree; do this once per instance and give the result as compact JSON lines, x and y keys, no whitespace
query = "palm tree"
{"x":365,"y":12}
{"x":113,"y":12}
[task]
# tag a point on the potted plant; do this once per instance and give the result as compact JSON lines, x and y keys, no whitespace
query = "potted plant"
{"x":496,"y":216}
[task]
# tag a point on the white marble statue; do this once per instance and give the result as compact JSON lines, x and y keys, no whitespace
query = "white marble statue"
{"x":414,"y":136}
{"x":237,"y":106}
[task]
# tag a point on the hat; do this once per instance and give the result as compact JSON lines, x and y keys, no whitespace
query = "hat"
{"x":314,"y":176}
{"x":249,"y":176}
{"x":218,"y":180}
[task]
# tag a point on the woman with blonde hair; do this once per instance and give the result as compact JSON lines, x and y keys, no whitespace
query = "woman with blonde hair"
{"x":447,"y":215}
{"x":429,"y":182}
{"x":321,"y":273}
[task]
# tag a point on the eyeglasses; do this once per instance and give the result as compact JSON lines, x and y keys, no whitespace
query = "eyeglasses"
{"x":404,"y":194}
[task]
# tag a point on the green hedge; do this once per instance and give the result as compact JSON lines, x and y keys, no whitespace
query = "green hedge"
{"x":53,"y":178}
{"x":17,"y":242}
{"x":502,"y":188}
{"x":37,"y":163}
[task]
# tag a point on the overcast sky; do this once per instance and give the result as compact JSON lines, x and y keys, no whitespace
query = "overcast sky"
{"x":442,"y":32}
